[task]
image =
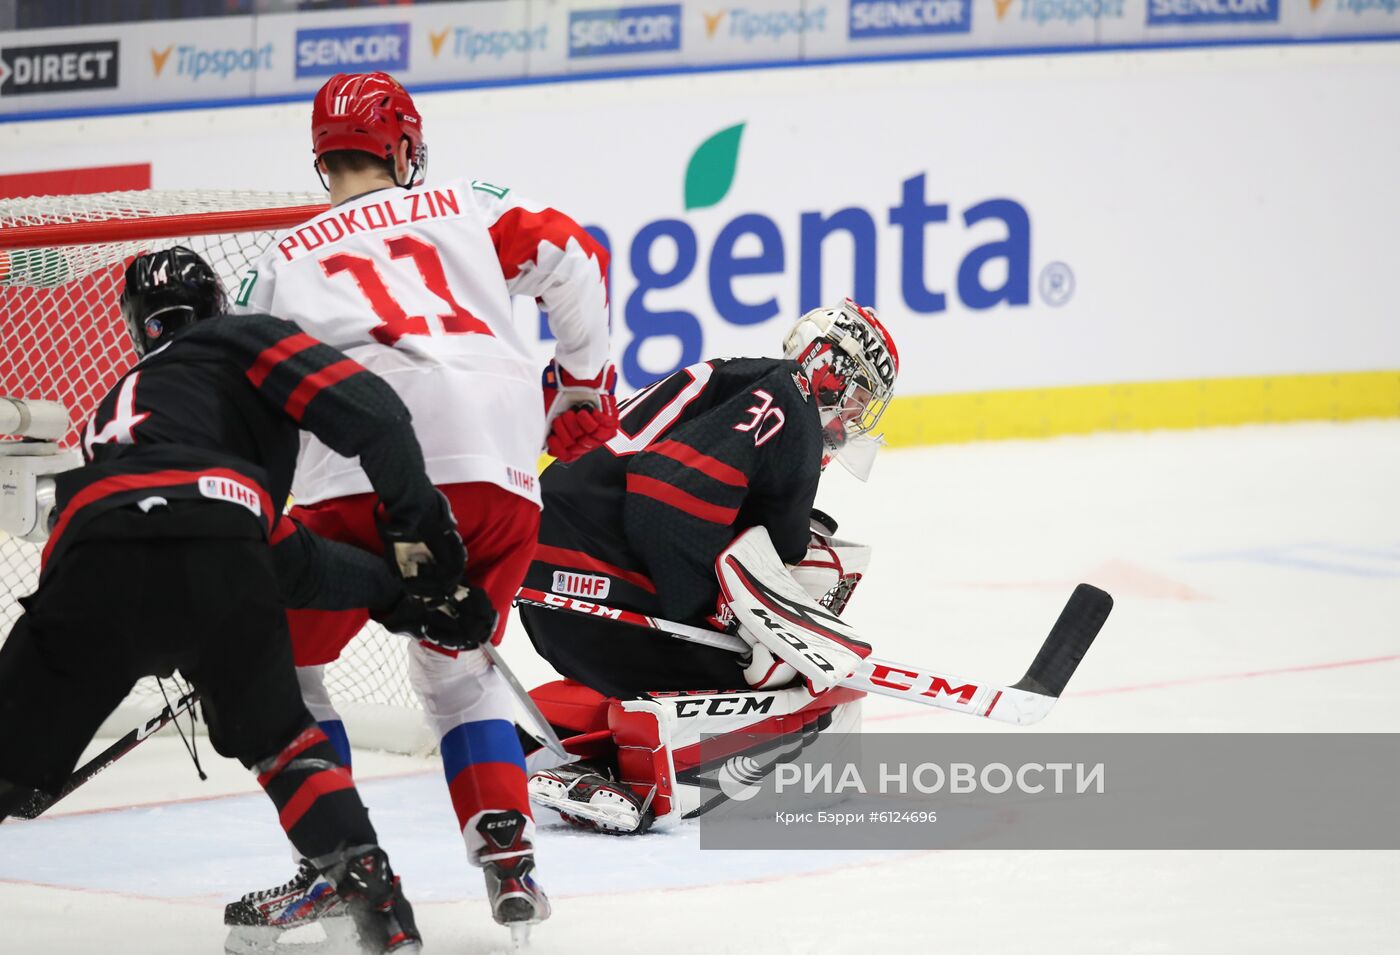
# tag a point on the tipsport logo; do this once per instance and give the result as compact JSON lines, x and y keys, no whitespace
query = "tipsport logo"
{"x":194,"y":62}
{"x":471,"y":45}
{"x":1043,"y":12}
{"x":325,"y":51}
{"x":1357,"y":8}
{"x":872,"y":19}
{"x":739,"y":23}
{"x":623,"y":30}
{"x":1186,"y":12}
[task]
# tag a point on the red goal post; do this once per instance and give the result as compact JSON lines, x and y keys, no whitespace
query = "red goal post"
{"x":62,"y":259}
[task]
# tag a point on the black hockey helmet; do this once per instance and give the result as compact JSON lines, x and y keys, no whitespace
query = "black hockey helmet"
{"x":166,"y":291}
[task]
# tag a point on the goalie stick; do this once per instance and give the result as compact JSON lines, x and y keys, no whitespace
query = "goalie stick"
{"x":1024,"y":702}
{"x":39,"y":802}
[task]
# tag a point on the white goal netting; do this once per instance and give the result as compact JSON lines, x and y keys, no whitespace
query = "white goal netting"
{"x":61,"y":264}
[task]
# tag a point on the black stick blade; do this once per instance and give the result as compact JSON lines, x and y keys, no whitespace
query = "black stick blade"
{"x":1070,"y":638}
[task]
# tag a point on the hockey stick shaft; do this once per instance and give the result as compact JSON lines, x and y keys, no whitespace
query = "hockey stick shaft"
{"x":40,"y":802}
{"x":544,"y":733}
{"x":1028,"y":701}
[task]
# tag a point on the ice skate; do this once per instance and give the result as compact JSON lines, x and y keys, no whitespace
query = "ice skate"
{"x":375,"y":900}
{"x":591,"y":800}
{"x":258,"y":921}
{"x":507,"y":860}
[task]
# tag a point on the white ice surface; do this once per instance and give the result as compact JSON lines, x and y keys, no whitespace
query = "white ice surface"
{"x":1257,"y":579}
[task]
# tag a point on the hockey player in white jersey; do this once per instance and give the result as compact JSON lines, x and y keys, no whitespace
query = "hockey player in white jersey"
{"x":415,"y":282}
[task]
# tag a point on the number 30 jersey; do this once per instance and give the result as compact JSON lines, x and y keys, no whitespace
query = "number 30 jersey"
{"x":715,"y":448}
{"x":416,"y":286}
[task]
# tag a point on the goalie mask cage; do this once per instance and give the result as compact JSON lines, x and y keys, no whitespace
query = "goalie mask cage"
{"x":62,"y":259}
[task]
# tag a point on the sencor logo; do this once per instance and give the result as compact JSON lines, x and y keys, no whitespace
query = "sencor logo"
{"x":772,"y":25}
{"x":58,"y":68}
{"x":1211,"y":11}
{"x":1041,"y":12}
{"x":884,"y":18}
{"x":195,"y":62}
{"x":624,"y":30}
{"x":326,"y":51}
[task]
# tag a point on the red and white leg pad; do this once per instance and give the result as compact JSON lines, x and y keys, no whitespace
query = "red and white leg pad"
{"x":657,"y":741}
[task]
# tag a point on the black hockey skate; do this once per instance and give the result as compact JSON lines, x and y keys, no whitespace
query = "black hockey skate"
{"x":375,"y":898}
{"x":369,"y":903}
{"x":258,"y":921}
{"x":588,"y":798}
{"x":507,"y":859}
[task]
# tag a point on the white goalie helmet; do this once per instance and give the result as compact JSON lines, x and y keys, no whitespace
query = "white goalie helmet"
{"x":851,"y":363}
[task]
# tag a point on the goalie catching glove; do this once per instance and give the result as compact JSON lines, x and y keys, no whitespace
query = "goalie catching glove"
{"x":463,"y":621}
{"x":580,"y":413}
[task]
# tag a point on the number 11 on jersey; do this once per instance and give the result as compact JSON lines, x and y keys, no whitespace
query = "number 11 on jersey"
{"x":394,"y":321}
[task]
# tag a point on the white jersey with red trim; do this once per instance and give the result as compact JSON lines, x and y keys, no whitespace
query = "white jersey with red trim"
{"x":416,"y":286}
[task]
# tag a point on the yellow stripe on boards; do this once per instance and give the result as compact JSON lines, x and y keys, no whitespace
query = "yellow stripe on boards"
{"x":1140,"y":406}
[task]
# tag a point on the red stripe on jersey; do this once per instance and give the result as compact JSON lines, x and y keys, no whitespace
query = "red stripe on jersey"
{"x":106,"y":487}
{"x":691,"y":458}
{"x":518,"y":234}
{"x":483,"y":787}
{"x":285,"y":528}
{"x":320,"y":784}
{"x":680,"y":500}
{"x":313,"y":384}
{"x":578,"y":560}
{"x":308,"y":738}
{"x":272,"y":356}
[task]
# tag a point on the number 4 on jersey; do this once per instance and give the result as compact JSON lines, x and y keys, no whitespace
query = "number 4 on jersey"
{"x":395,"y":322}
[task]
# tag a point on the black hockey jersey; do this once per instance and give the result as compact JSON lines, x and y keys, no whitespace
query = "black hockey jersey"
{"x":215,"y":416}
{"x":699,"y":456}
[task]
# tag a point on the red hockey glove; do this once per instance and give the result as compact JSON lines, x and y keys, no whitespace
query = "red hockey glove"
{"x":580,"y":414}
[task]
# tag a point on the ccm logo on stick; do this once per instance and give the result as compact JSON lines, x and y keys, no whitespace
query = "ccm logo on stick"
{"x":569,"y":603}
{"x":880,"y":675}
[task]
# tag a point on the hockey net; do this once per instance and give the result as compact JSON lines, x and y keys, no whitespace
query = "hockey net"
{"x":62,"y":259}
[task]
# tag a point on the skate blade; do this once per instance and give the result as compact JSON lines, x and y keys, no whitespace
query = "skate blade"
{"x":520,"y":936}
{"x":621,"y":817}
{"x":323,"y":937}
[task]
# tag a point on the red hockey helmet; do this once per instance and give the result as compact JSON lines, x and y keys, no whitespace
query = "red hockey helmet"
{"x":371,"y":113}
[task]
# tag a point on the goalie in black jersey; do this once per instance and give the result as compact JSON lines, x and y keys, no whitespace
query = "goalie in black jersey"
{"x":158,"y":558}
{"x":703,"y":461}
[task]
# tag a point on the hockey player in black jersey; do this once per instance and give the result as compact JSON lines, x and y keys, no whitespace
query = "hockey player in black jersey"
{"x":158,"y":558}
{"x":701,"y":457}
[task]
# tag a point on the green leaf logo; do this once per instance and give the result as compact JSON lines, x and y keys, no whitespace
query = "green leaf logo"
{"x":711,"y":169}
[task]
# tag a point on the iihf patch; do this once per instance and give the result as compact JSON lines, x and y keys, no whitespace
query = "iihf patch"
{"x":581,"y":585}
{"x":222,"y":489}
{"x":802,"y":385}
